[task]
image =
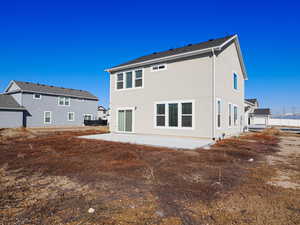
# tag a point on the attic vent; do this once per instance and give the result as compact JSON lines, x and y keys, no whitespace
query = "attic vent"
{"x":171,"y":49}
{"x":189,"y":44}
{"x":210,"y":39}
{"x":154,"y":53}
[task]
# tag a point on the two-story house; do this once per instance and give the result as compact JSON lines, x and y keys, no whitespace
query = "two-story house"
{"x":196,"y":91}
{"x":44,"y":105}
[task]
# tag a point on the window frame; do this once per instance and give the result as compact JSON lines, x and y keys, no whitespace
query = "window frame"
{"x":158,"y":69}
{"x":134,"y":87}
{"x":64,"y":101}
{"x":179,"y":102}
{"x":230,"y":114}
{"x":164,"y":115}
{"x":133,"y":119}
{"x":87,"y":114}
{"x":34,"y":97}
{"x":73,"y":116}
{"x":218,"y":113}
{"x":235,"y":120}
{"x":235,"y":81}
{"x":50,"y":112}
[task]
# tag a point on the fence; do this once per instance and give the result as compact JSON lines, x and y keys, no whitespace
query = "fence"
{"x":285,"y":122}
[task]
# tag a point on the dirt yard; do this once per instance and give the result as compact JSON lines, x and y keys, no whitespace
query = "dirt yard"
{"x":54,"y":177}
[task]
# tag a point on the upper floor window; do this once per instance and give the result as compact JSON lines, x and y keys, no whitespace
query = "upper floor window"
{"x":158,"y":67}
{"x":37,"y":96}
{"x":64,"y":101}
{"x":129,"y":79}
{"x":235,"y":81}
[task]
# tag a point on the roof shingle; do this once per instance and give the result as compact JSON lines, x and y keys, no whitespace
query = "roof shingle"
{"x":8,"y":102}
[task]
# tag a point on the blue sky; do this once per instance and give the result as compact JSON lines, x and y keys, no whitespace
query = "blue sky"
{"x":70,"y":43}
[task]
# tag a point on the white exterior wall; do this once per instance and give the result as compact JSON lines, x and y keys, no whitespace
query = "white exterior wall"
{"x":227,"y":63}
{"x":190,"y":79}
{"x":182,"y":80}
{"x":284,"y":122}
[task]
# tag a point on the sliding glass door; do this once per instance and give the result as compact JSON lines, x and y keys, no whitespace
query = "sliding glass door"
{"x":125,"y":120}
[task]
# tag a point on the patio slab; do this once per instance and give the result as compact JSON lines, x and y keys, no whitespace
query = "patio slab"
{"x":154,"y":140}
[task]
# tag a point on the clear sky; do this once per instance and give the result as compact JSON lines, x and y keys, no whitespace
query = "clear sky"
{"x":70,"y":43}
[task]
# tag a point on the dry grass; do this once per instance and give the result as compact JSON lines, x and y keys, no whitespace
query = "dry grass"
{"x":54,"y":178}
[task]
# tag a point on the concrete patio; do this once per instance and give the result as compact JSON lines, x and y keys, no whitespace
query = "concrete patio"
{"x":154,"y":140}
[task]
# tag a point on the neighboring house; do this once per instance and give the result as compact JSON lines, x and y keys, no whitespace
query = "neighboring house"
{"x":254,"y":116}
{"x":52,"y":106}
{"x":11,"y":112}
{"x":196,"y":90}
{"x":102,"y":113}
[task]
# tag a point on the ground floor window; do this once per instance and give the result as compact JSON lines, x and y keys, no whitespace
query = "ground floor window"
{"x":177,"y":114}
{"x":235,"y":115}
{"x":71,"y":116}
{"x":88,"y":116}
{"x":219,"y":113}
{"x":229,"y":115}
{"x":47,"y":117}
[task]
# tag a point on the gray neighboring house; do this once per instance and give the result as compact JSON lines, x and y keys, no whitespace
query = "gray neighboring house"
{"x":46,"y":106}
{"x":11,"y":112}
{"x":255,"y":116}
{"x":194,"y":91}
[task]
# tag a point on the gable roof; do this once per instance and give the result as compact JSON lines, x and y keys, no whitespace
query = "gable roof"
{"x":191,"y":49}
{"x":51,"y":90}
{"x":252,"y":100}
{"x":262,"y":111}
{"x":8,"y":102}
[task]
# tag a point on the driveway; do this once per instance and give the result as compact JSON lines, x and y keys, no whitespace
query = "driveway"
{"x":154,"y":140}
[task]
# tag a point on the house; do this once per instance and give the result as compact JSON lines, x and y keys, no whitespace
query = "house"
{"x":102,"y":113}
{"x":44,"y":105}
{"x":255,"y":116}
{"x":11,"y":112}
{"x":194,"y":91}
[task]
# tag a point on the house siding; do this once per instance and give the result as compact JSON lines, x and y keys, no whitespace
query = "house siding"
{"x":11,"y":118}
{"x":227,"y":63}
{"x":36,"y":108}
{"x":188,"y":79}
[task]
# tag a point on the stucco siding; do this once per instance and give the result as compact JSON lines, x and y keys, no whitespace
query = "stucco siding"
{"x":182,"y":80}
{"x":11,"y":119}
{"x":227,"y":63}
{"x":37,"y":107}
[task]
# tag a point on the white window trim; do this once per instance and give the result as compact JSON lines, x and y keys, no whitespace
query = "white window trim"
{"x":231,"y":111}
{"x":152,"y":70}
{"x":219,"y":100}
{"x":45,"y":117}
{"x":237,"y":81}
{"x":64,"y":101}
{"x":37,"y":94}
{"x":179,"y":102}
{"x":73,"y":116}
{"x":133,"y":119}
{"x":133,"y":80}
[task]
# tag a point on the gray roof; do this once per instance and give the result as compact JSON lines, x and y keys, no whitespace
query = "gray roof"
{"x":252,"y":100}
{"x":8,"y":102}
{"x":189,"y":48}
{"x":47,"y":89}
{"x":261,"y":111}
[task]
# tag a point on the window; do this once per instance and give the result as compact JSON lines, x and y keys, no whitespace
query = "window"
{"x":37,"y":96}
{"x":186,"y":114}
{"x":138,"y":78}
{"x":158,"y":67}
{"x":160,"y":115}
{"x":128,"y":79}
{"x":173,"y":115}
{"x":87,"y":116}
{"x":47,"y":117}
{"x":64,"y":101}
{"x":71,"y":116}
{"x":229,"y":115}
{"x":218,"y":113}
{"x":235,"y":81}
{"x":235,"y":115}
{"x":177,"y":114}
{"x":120,"y":81}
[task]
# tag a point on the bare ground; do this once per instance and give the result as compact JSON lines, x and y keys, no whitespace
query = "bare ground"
{"x":53,"y":177}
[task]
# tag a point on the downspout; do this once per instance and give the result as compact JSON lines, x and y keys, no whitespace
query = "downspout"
{"x":213,"y":93}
